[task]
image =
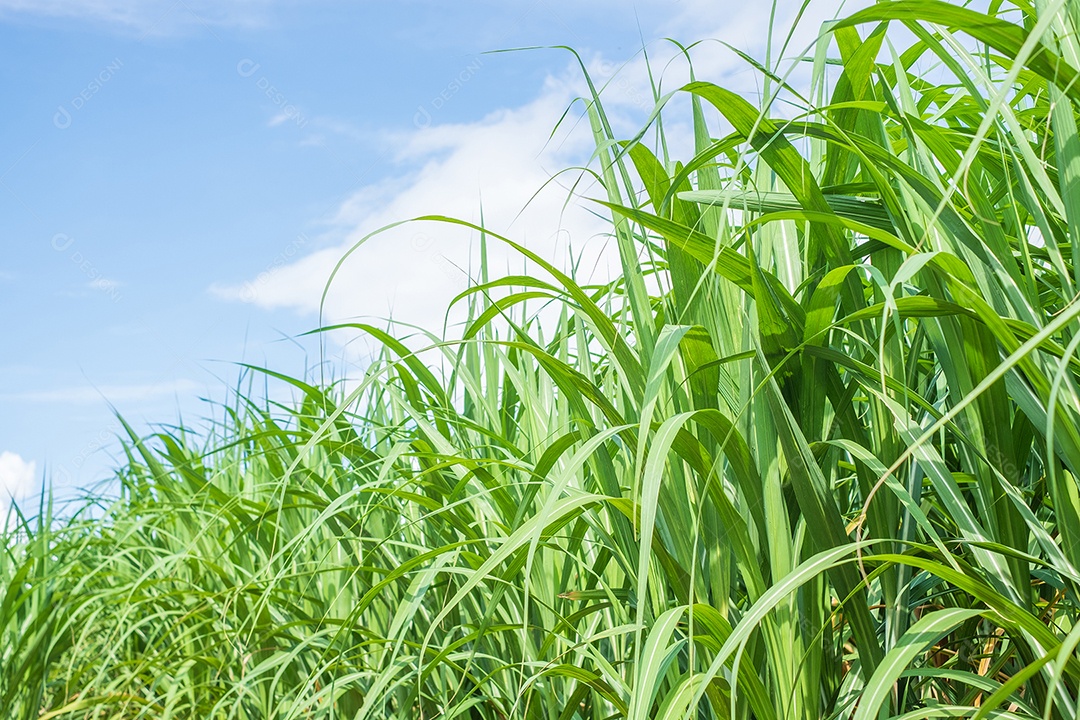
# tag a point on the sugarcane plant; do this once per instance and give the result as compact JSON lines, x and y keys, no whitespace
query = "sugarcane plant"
{"x":812,"y":454}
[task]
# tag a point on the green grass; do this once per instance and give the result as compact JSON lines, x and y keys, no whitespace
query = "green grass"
{"x":827,"y":470}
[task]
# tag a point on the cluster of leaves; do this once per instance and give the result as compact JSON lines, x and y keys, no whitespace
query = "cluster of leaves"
{"x":827,"y":470}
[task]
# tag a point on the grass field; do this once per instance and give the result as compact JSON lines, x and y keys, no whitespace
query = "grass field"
{"x":814,"y":454}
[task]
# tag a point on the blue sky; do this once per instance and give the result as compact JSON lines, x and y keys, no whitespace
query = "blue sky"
{"x":177,"y":179}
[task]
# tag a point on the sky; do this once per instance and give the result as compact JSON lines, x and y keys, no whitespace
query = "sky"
{"x":179,"y":178}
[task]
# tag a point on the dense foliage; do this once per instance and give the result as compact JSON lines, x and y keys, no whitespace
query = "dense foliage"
{"x":814,"y":454}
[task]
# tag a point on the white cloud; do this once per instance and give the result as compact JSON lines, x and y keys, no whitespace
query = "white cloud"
{"x":18,"y":479}
{"x":493,"y":166}
{"x":499,"y":165}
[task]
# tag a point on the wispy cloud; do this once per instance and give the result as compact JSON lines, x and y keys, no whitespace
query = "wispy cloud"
{"x":104,"y":284}
{"x":501,"y":168}
{"x":112,"y":393}
{"x":145,"y":16}
{"x":491,"y":168}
